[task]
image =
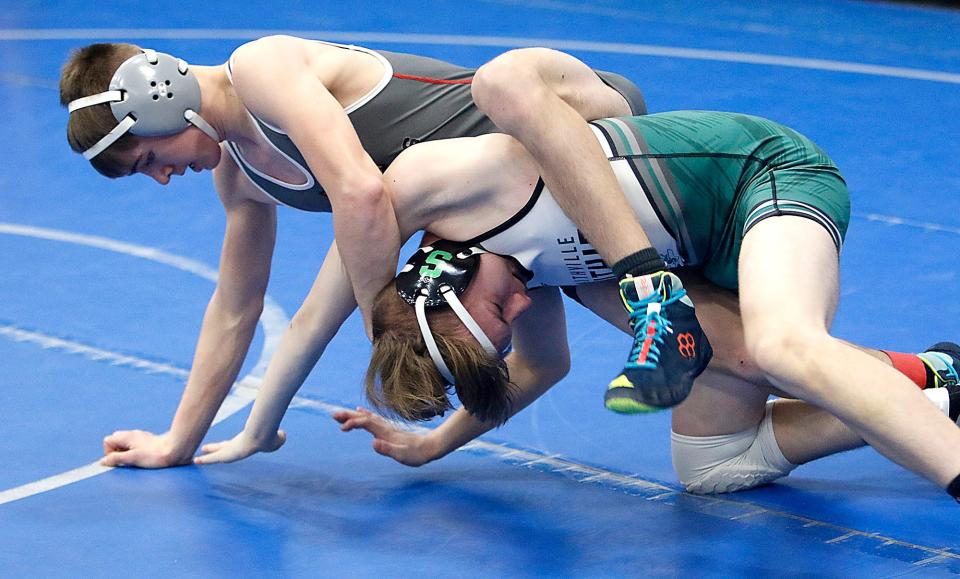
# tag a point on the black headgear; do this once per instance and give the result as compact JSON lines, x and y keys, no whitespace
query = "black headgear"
{"x":436,"y":275}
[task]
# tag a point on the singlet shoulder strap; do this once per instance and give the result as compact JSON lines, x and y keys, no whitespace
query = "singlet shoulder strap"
{"x":308,"y":196}
{"x":534,"y":197}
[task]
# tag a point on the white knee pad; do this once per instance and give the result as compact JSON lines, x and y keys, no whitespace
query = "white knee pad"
{"x":730,"y":462}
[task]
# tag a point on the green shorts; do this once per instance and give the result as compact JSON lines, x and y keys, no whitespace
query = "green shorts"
{"x":816,"y":192}
{"x":710,"y":176}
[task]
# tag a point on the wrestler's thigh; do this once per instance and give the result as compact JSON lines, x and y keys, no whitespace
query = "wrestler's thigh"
{"x":720,"y":404}
{"x":718,"y":310}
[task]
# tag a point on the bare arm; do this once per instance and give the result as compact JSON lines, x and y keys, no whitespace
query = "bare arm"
{"x":459,"y":188}
{"x":540,"y":358}
{"x":330,"y":300}
{"x":324,"y":310}
{"x":227,"y":330}
{"x":292,"y":96}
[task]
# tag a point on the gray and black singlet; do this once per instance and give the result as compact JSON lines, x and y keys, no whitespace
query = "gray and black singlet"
{"x":418,"y":99}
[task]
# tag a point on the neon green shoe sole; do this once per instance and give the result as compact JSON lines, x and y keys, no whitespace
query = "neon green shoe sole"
{"x":628,"y":406}
{"x":620,"y":398}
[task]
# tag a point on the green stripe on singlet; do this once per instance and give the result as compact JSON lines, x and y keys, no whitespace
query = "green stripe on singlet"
{"x":630,"y":145}
{"x":674,"y":204}
{"x":657,"y":181}
{"x":627,"y":146}
{"x":671,"y":201}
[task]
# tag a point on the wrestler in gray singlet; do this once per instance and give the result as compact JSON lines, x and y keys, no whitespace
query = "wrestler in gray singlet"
{"x":418,"y":99}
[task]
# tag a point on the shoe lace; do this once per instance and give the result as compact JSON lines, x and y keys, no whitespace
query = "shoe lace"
{"x":655,"y":326}
{"x":949,"y":377}
{"x":949,"y":374}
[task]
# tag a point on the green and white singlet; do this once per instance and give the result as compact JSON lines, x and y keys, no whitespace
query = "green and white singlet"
{"x":698,"y":181}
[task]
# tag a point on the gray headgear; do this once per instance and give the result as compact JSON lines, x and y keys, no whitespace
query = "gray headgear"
{"x":151,"y":95}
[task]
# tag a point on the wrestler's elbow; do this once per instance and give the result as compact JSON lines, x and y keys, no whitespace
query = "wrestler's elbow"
{"x":360,"y":193}
{"x":548,"y":374}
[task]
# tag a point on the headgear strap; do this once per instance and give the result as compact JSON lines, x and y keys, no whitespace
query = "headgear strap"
{"x":151,"y":94}
{"x":436,"y":275}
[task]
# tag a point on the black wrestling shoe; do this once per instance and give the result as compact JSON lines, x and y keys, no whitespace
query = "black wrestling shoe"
{"x":943,"y":361}
{"x":669,"y":347}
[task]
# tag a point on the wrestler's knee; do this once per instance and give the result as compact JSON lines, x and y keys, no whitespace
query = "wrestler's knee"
{"x":731,"y":462}
{"x":787,"y":353}
{"x":509,"y":87}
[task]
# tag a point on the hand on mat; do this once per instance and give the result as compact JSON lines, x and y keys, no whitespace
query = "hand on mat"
{"x":238,"y":448}
{"x":141,"y":449}
{"x":402,"y":446}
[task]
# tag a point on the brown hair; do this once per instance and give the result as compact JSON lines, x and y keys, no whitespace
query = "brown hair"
{"x":88,"y":71}
{"x":402,"y":379}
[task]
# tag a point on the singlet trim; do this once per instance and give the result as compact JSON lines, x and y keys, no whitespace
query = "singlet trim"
{"x":613,"y":155}
{"x":773,"y":208}
{"x":609,"y":145}
{"x":247,"y":169}
{"x":304,"y":171}
{"x":377,"y":89}
{"x":238,"y":157}
{"x":534,"y":197}
{"x":384,"y":80}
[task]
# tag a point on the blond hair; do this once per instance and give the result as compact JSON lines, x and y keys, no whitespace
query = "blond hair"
{"x":403,"y":381}
{"x":88,"y":71}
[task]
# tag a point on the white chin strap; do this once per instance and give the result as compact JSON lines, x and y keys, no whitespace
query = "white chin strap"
{"x":196,"y":120}
{"x":451,"y":298}
{"x":129,"y":121}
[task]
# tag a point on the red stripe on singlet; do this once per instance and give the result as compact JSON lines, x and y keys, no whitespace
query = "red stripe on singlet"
{"x":429,"y":80}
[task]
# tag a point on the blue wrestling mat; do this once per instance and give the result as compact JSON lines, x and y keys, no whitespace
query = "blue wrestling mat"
{"x":104,"y":284}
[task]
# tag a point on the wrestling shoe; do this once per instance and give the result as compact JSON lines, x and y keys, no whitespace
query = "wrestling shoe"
{"x":943,"y":362}
{"x":669,"y":346}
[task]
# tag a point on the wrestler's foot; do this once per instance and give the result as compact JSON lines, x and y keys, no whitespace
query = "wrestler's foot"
{"x":943,"y":361}
{"x":669,"y":346}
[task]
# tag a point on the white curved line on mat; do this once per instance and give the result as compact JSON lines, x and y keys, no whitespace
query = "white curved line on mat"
{"x":492,"y":41}
{"x":893,"y":220}
{"x":273,"y":320}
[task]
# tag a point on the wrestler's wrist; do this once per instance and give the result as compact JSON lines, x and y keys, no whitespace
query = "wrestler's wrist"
{"x":177,"y":450}
{"x":435,"y":446}
{"x":179,"y":447}
{"x":259,"y":437}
